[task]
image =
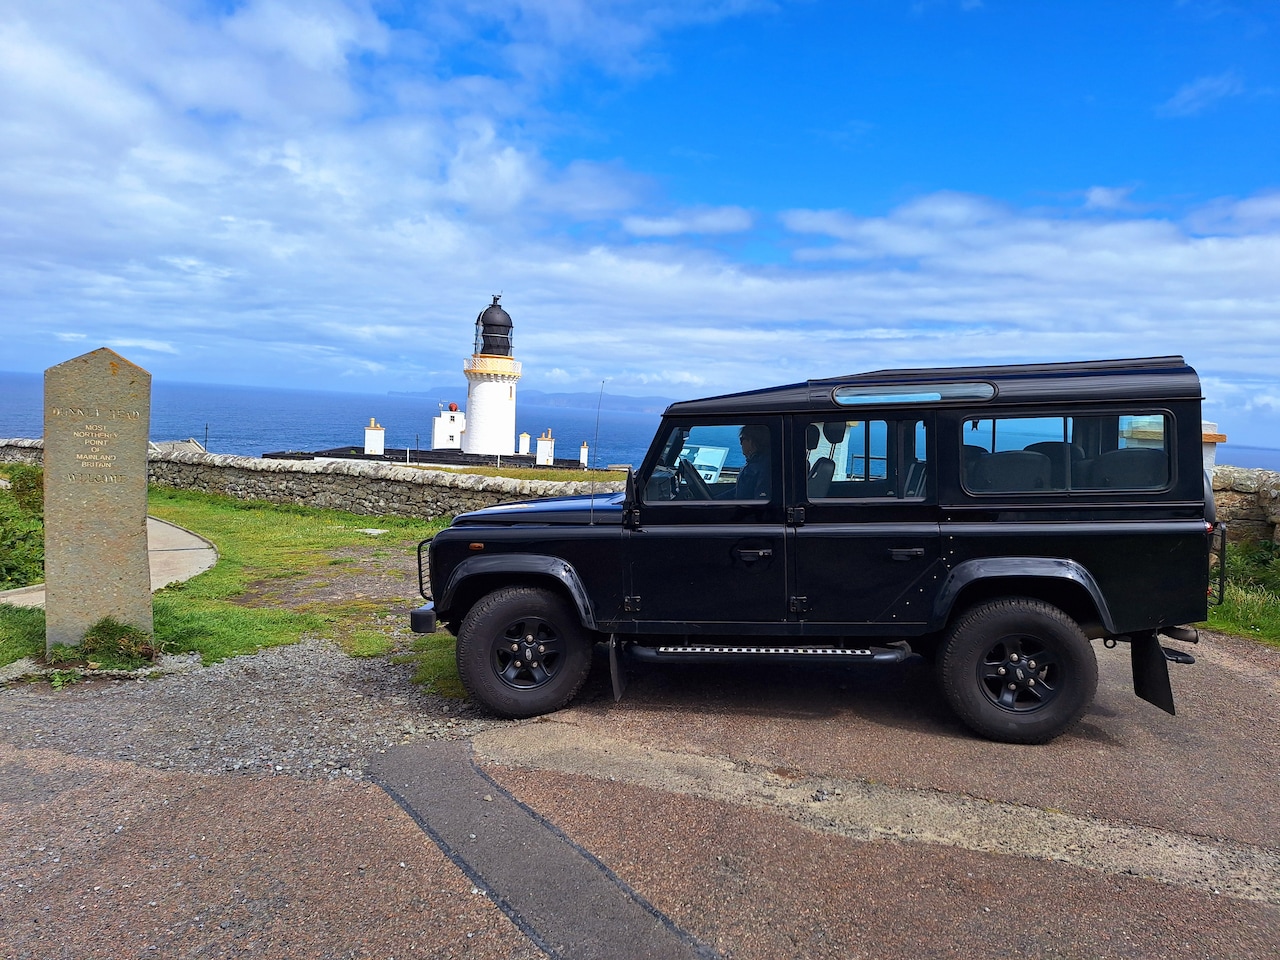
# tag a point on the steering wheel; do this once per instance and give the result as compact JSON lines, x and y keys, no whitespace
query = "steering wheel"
{"x":697,"y":486}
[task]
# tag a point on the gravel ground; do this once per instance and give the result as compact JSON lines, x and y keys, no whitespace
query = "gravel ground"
{"x":306,"y":710}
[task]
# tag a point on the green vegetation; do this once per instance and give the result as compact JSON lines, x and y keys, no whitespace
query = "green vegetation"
{"x":1255,"y":564}
{"x":269,"y":586}
{"x":110,"y":645}
{"x":278,"y":578}
{"x":1251,"y":601}
{"x":26,"y":486}
{"x":21,"y":633}
{"x":435,"y":665}
{"x":21,"y":526}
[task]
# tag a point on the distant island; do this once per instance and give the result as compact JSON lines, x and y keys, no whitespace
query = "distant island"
{"x":614,"y":403}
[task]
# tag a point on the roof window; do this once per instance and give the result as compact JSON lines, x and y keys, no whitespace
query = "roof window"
{"x":860,"y":396}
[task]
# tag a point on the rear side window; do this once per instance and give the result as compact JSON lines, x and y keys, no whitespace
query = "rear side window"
{"x":1046,"y":454}
{"x":866,"y":459}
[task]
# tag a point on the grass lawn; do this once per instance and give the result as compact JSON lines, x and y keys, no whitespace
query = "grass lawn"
{"x":1247,"y":611}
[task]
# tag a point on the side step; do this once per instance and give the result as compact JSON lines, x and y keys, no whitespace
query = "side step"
{"x":1181,"y":634}
{"x":716,"y":653}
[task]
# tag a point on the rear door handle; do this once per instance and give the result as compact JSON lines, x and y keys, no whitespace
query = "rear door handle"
{"x":906,"y":553}
{"x":751,"y":556}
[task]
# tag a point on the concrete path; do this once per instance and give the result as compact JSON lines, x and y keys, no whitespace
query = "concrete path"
{"x":175,"y":555}
{"x":557,"y":893}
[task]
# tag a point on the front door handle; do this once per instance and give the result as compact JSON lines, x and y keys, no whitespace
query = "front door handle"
{"x":751,"y":556}
{"x":906,"y":553}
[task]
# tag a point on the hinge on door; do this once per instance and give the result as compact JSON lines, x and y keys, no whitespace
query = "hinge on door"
{"x":799,"y":604}
{"x":631,"y":604}
{"x":795,"y":515}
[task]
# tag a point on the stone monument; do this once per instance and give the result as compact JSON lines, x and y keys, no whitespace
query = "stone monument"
{"x":97,"y":418}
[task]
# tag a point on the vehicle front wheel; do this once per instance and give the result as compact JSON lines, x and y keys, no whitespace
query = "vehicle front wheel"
{"x":1017,"y":670}
{"x":522,"y":652}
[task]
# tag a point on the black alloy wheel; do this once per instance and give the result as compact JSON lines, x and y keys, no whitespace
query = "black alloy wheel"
{"x":522,"y":651}
{"x":1017,"y":670}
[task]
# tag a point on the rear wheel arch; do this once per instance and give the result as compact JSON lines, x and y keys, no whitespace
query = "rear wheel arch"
{"x":1064,"y":584}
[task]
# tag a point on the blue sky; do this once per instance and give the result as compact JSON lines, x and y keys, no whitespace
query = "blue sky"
{"x":683,"y":196}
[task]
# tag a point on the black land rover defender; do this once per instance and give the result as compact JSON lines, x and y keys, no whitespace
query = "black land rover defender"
{"x":992,"y":519}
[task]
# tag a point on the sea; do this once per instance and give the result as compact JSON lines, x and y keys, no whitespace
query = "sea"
{"x":251,"y":421}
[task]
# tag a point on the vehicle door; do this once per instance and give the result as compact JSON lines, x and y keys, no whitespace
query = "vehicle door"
{"x":865,"y":517}
{"x":708,"y":550}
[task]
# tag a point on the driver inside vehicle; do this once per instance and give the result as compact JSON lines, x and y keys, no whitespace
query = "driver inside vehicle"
{"x":753,"y":478}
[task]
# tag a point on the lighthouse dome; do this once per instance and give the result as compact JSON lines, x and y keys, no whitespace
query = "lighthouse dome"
{"x":493,"y":331}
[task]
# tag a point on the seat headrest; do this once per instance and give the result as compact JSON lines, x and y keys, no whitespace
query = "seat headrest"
{"x":833,"y":430}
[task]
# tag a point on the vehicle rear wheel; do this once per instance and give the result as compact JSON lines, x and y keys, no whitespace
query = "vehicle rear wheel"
{"x":522,"y":652}
{"x":1017,"y":670}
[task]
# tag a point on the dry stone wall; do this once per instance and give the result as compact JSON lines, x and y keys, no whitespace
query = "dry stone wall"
{"x":361,"y":487}
{"x":1249,"y":501}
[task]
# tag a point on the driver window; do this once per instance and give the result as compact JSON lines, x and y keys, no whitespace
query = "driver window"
{"x":703,"y":462}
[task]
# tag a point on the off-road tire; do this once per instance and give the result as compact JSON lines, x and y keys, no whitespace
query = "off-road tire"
{"x":521,"y":652}
{"x":1017,"y":670}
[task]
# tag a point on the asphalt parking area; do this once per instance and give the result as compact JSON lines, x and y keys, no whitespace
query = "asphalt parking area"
{"x":801,"y":813}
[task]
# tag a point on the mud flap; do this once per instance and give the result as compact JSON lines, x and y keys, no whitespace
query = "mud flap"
{"x":1151,"y":671}
{"x":616,"y":672}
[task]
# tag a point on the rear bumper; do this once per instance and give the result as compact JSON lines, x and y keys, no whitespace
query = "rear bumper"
{"x":423,"y":619}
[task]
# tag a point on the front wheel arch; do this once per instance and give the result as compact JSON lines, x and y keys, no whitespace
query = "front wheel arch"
{"x":478,"y":577}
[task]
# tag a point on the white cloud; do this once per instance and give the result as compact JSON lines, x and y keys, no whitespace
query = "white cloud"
{"x":488,"y":176}
{"x":1199,"y":95}
{"x":1233,"y":216}
{"x":536,"y":37}
{"x":695,"y":221}
{"x":317,"y":34}
{"x":1264,"y":401}
{"x":1107,"y":198}
{"x":154,"y":346}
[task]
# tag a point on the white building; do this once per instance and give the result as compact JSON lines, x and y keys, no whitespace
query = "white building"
{"x":447,"y":428}
{"x":492,"y":375}
{"x":375,"y":439}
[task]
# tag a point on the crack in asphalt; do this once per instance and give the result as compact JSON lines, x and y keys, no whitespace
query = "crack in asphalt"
{"x":870,"y":811}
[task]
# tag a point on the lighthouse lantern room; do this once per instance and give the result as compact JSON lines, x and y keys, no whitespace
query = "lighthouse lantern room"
{"x":492,"y":374}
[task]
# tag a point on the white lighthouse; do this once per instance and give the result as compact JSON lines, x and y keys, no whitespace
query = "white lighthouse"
{"x":492,"y":375}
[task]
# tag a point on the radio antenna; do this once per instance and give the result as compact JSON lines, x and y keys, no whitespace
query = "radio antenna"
{"x":595,"y":451}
